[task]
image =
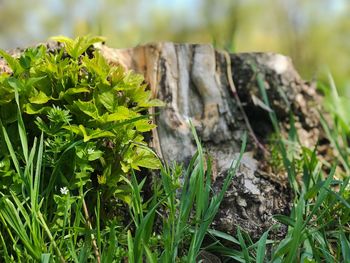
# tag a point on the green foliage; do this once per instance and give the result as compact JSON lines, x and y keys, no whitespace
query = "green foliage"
{"x":89,"y":112}
{"x":32,"y":234}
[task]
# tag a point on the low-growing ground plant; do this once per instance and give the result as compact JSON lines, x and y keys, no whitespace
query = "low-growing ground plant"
{"x":92,"y":115}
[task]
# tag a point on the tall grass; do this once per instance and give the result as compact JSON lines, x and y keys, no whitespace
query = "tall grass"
{"x":21,"y":215}
{"x":169,"y":227}
{"x":185,"y":220}
{"x":318,"y":226}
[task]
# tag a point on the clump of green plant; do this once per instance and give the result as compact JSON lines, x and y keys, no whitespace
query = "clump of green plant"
{"x":29,"y":232}
{"x":92,"y":114}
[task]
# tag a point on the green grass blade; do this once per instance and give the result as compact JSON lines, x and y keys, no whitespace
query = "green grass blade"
{"x":21,"y":129}
{"x":297,"y":230}
{"x":261,"y":251}
{"x":11,"y":150}
{"x":151,"y":257}
{"x":345,"y":246}
{"x":45,"y":258}
{"x":243,"y":245}
{"x":223,"y":236}
{"x":112,"y":244}
{"x":6,"y":256}
{"x":131,"y":251}
{"x":38,"y":170}
{"x":213,"y":207}
{"x":12,"y":218}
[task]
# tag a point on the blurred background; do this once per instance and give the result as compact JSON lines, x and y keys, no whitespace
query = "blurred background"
{"x":315,"y":33}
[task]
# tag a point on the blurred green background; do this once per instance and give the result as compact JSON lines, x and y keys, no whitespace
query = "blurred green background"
{"x":315,"y":33}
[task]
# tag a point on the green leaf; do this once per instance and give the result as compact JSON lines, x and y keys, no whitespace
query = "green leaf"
{"x":72,"y":91}
{"x":144,"y":125}
{"x":6,"y":94}
{"x":87,"y":133}
{"x":45,"y":258}
{"x":261,"y":251}
{"x":131,"y":251}
{"x":84,"y":133}
{"x":120,"y":114}
{"x":152,"y":257}
{"x":144,"y":158}
{"x":40,"y":98}
{"x":35,"y":108}
{"x":98,"y":67}
{"x":15,"y":84}
{"x":76,"y":47}
{"x":345,"y":246}
{"x":108,"y":100}
{"x":151,"y":103}
{"x":12,"y":62}
{"x":32,"y":81}
{"x":88,"y":107}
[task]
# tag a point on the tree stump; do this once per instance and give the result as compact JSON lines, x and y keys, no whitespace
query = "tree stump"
{"x":219,"y":93}
{"x":194,"y":82}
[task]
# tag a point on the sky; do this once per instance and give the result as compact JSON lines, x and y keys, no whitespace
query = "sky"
{"x":37,"y":12}
{"x":127,"y":23}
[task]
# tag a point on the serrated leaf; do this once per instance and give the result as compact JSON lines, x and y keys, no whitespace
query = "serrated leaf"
{"x":63,"y":39}
{"x":8,"y":113}
{"x":31,"y":81}
{"x":84,"y":133}
{"x":73,"y":128}
{"x":121,"y":113}
{"x":125,"y":167}
{"x":40,"y":98}
{"x":95,"y":155}
{"x":146,"y":159}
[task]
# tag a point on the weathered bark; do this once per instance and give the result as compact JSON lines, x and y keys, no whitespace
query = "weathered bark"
{"x":194,"y":82}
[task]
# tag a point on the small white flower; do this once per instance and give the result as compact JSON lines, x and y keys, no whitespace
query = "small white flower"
{"x":64,"y":190}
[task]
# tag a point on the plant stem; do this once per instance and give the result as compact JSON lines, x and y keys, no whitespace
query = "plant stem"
{"x":93,"y":239}
{"x":239,"y":103}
